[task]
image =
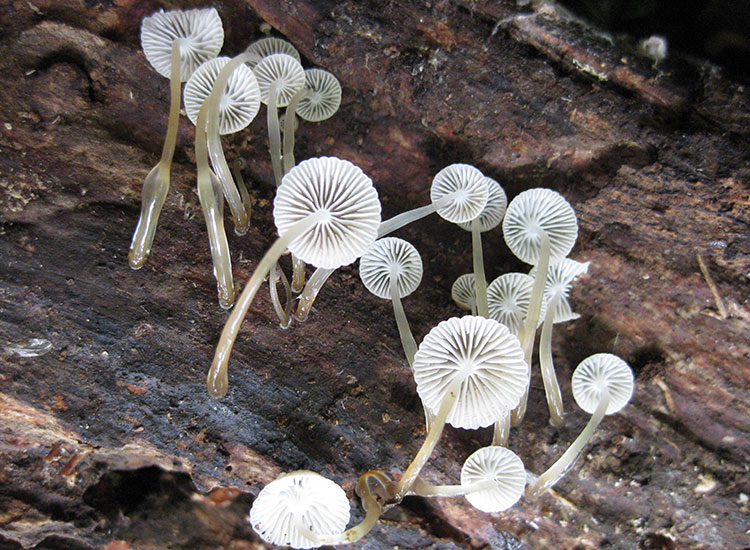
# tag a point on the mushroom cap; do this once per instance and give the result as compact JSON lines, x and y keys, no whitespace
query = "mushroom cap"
{"x":319,"y":502}
{"x":269,"y":46}
{"x":508,"y":299}
{"x":596,"y":371}
{"x":494,"y":463}
{"x":464,"y":291}
{"x":324,"y":97}
{"x":239,"y":103}
{"x":283,"y":69}
{"x":201,"y":37}
{"x":470,"y":187}
{"x":560,"y":277}
{"x":387,"y":255}
{"x":537,"y":210}
{"x":493,"y":211}
{"x":340,"y":188}
{"x":486,"y":358}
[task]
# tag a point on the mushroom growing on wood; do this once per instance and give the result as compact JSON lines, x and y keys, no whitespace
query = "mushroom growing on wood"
{"x":175,"y":43}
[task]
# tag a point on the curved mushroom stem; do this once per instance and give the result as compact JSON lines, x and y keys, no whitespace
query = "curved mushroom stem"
{"x":551,"y":386}
{"x":310,"y":292}
{"x":237,"y":167}
{"x":274,"y":133}
{"x":156,"y":184}
{"x":282,"y":312}
{"x":213,"y":214}
{"x":564,"y":463}
{"x":480,"y":282}
{"x":298,"y":274}
{"x":404,"y":331}
{"x":240,"y":215}
{"x":217,"y":379}
{"x":528,"y":331}
{"x":425,"y":490}
{"x":411,"y":474}
{"x":501,"y":431}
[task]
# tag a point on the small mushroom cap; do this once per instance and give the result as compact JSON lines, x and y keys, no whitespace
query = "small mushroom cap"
{"x":493,"y":211}
{"x":602,"y":370}
{"x":319,"y":502}
{"x":324,"y":97}
{"x":241,"y":99}
{"x":200,"y":33}
{"x":388,"y":255}
{"x":560,"y":277}
{"x":269,"y":46}
{"x":342,"y":190}
{"x":464,"y":291}
{"x":486,"y":358}
{"x":508,"y":299}
{"x":283,"y":69}
{"x":537,"y":210}
{"x":470,"y":187}
{"x":494,"y":463}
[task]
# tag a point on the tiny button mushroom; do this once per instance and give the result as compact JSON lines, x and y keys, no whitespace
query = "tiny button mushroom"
{"x":464,"y":293}
{"x":602,"y":385}
{"x":269,"y":46}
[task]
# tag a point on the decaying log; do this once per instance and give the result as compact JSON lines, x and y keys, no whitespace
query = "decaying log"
{"x":110,"y":440}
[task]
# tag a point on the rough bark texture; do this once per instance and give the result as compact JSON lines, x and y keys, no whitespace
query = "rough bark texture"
{"x":111,"y":441}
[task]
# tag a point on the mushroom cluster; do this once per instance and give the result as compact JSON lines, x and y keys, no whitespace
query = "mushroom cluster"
{"x":471,"y":371}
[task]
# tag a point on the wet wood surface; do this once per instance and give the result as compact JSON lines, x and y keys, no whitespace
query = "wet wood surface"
{"x":110,"y":439}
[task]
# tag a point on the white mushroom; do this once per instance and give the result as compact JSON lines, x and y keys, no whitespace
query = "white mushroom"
{"x":463,"y":292}
{"x":269,"y":46}
{"x":508,"y":299}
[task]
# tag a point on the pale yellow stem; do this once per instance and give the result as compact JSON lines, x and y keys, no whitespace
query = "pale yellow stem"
{"x":274,"y":133}
{"x":547,"y":365}
{"x":501,"y":431}
{"x":480,"y":282}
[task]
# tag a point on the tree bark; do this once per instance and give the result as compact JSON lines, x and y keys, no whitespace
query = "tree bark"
{"x":110,"y":439}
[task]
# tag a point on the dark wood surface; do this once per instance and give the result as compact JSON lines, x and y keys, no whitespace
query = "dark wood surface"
{"x":110,"y":439}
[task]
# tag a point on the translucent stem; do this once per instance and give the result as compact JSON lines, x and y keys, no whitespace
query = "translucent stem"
{"x":566,"y":461}
{"x":501,"y":431}
{"x":290,"y":119}
{"x":425,"y":490}
{"x":213,"y":214}
{"x":282,"y":311}
{"x":237,"y":167}
{"x":298,"y":274}
{"x":551,"y":386}
{"x":404,"y":331}
{"x":480,"y":282}
{"x":528,"y":331}
{"x":217,"y":376}
{"x":411,"y":474}
{"x":310,"y":292}
{"x":156,"y":184}
{"x":373,"y":510}
{"x":274,"y":133}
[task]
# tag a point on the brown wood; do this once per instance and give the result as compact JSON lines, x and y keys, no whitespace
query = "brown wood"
{"x":110,"y":439}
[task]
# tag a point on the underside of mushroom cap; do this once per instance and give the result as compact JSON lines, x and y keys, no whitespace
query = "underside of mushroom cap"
{"x":602,"y":370}
{"x":468,"y":187}
{"x":560,"y":277}
{"x":319,"y":503}
{"x":493,"y":212}
{"x":534,"y":211}
{"x":499,"y":464}
{"x":200,"y":33}
{"x":340,"y":189}
{"x":463,"y":291}
{"x":323,"y":98}
{"x":285,"y":71}
{"x":508,"y":299}
{"x":269,"y":46}
{"x":239,"y":103}
{"x":386,"y":256}
{"x":484,"y":356}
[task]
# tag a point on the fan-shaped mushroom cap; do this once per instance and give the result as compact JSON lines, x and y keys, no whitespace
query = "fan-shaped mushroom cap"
{"x":339,"y":188}
{"x":463,"y":291}
{"x":269,"y":46}
{"x":323,"y":98}
{"x":319,"y":503}
{"x":508,"y":299}
{"x":537,"y":210}
{"x":239,"y":103}
{"x":388,"y":255}
{"x":285,"y":71}
{"x":494,"y":210}
{"x":199,"y":31}
{"x":560,"y":277}
{"x":484,"y":356}
{"x":494,"y":463}
{"x":602,"y":370}
{"x":470,"y":188}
